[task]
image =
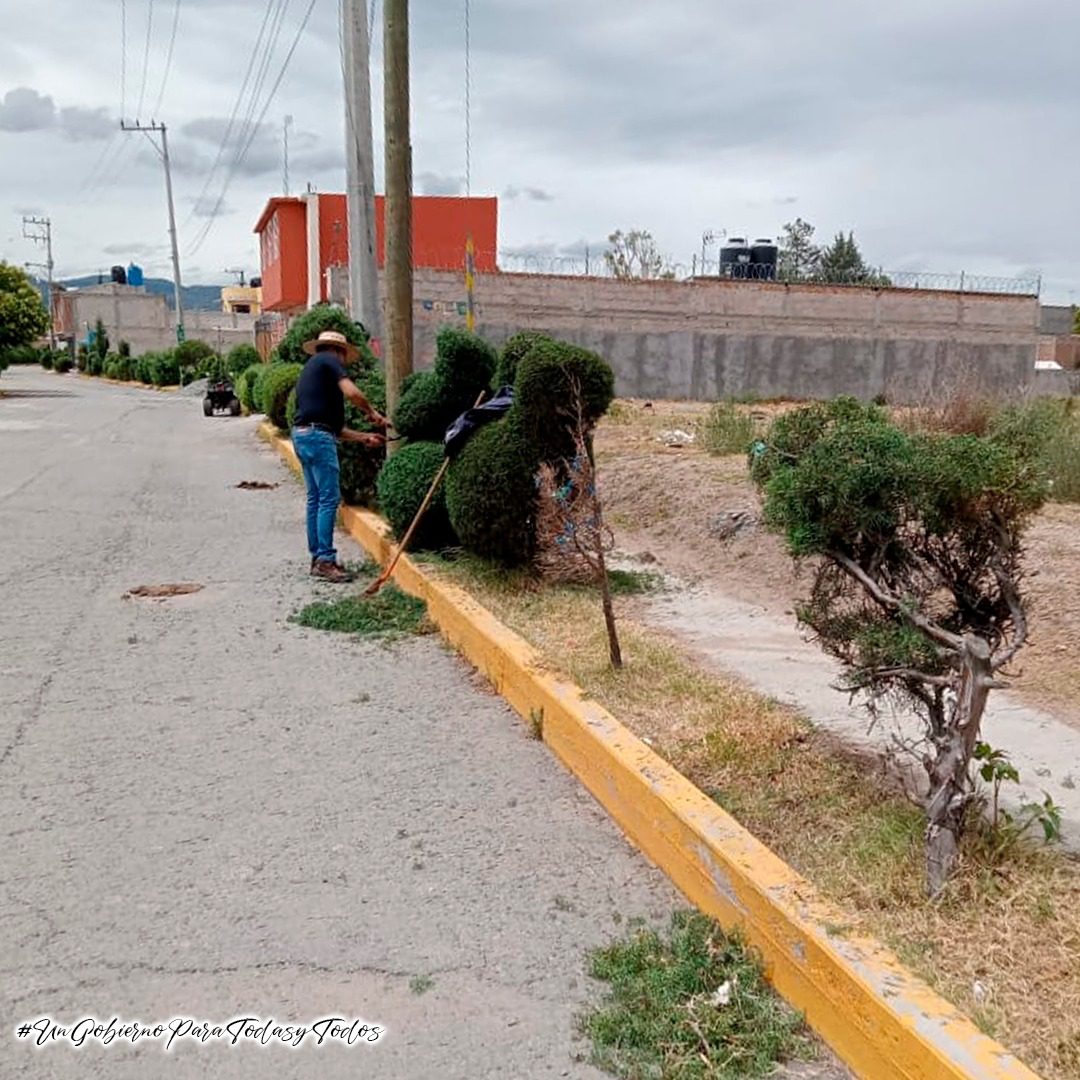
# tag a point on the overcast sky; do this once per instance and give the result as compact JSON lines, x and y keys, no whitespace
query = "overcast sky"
{"x":946,"y":133}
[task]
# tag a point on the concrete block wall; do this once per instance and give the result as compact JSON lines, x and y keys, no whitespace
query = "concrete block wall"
{"x":710,"y":339}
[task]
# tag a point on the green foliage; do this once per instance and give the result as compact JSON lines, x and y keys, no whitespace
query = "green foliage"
{"x":389,"y":613}
{"x":693,"y":1006}
{"x":62,"y":361}
{"x":491,"y":493}
{"x":842,"y":263}
{"x":464,"y":365}
{"x":727,"y":430}
{"x":312,"y":323}
{"x":491,"y":486}
{"x":45,"y":358}
{"x":1007,"y":829}
{"x":257,"y":400}
{"x":634,"y":582}
{"x":245,"y":385}
{"x":937,"y":518}
{"x":21,"y":354}
{"x":124,"y":349}
{"x":241,"y":357}
{"x":360,"y":465}
{"x":119,"y":367}
{"x":799,"y":256}
{"x":23,"y":316}
{"x":82,"y":357}
{"x":402,"y":485}
{"x":512,"y":352}
{"x":1047,"y":433}
{"x":543,"y":390}
{"x":290,"y":410}
{"x":193,"y":353}
{"x":164,"y":369}
{"x":100,"y":344}
{"x":276,"y":387}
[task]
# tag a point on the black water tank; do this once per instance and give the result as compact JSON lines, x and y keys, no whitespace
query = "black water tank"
{"x":119,"y":275}
{"x":735,"y":258}
{"x":763,"y":258}
{"x":255,"y":282}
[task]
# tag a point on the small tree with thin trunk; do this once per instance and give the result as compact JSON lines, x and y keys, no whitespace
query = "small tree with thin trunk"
{"x":634,"y":254}
{"x":572,"y":540}
{"x":917,"y":587}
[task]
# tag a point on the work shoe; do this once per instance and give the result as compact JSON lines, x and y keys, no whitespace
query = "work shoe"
{"x":329,"y":571}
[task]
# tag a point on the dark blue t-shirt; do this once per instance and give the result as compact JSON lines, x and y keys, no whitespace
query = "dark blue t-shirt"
{"x":319,"y":399}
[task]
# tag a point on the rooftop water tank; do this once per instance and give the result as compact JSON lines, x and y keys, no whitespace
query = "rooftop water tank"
{"x":763,"y":258}
{"x":135,"y":275}
{"x":735,"y":258}
{"x":119,"y":275}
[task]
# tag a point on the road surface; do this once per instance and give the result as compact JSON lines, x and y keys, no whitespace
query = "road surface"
{"x":212,"y":813}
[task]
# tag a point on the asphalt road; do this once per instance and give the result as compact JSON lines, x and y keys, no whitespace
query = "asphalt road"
{"x":211,"y":813}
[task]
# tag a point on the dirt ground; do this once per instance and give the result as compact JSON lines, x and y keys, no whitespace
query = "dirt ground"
{"x":666,"y":501}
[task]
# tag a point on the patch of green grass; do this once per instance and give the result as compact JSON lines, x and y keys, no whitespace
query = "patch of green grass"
{"x":634,"y":582}
{"x":421,"y":984}
{"x":693,"y":1006}
{"x":727,"y":429}
{"x":389,"y":613}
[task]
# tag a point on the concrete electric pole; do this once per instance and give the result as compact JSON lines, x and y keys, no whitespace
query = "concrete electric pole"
{"x":360,"y":169}
{"x":399,"y":291}
{"x":41,"y":233}
{"x":163,"y":153}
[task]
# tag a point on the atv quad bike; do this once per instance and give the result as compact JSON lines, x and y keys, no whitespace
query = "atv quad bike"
{"x":220,"y":395}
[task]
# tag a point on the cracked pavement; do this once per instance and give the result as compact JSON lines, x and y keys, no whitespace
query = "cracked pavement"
{"x":210,"y":812}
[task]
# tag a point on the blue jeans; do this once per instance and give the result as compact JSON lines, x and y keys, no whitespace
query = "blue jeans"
{"x":317,"y":451}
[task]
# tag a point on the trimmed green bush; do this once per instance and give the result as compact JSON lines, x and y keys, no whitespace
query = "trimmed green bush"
{"x":45,"y":358}
{"x":164,"y":370}
{"x":360,"y":465}
{"x":245,"y":386}
{"x":62,"y":362}
{"x":515,"y":348}
{"x":276,"y":386}
{"x":491,"y":486}
{"x":290,"y":410}
{"x":403,"y":483}
{"x":21,"y":354}
{"x":464,"y":365}
{"x":82,"y":357}
{"x":193,"y":354}
{"x":311,"y":324}
{"x":257,"y":401}
{"x":241,"y":357}
{"x":491,"y":493}
{"x":546,"y":376}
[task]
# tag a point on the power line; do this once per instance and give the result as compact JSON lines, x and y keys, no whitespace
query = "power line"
{"x":237,"y":161}
{"x":270,"y":4}
{"x":146,"y":58}
{"x":123,"y":57}
{"x":168,"y":57}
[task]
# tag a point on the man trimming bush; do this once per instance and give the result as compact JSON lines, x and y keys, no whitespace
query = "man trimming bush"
{"x":321,"y":391}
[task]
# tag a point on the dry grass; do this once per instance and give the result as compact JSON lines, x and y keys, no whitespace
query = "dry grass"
{"x":1004,"y":944}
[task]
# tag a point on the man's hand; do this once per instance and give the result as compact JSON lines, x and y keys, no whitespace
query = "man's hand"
{"x":364,"y":438}
{"x":378,"y":420}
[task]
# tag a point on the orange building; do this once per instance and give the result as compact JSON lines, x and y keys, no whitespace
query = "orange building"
{"x":303,"y":238}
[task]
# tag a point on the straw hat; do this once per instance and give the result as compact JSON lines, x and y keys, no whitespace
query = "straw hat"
{"x":332,"y":339}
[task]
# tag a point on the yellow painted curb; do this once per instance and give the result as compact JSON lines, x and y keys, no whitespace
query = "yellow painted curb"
{"x":880,"y":1020}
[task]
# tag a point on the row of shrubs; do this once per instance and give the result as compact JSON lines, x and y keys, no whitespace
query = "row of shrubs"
{"x":178,"y":366}
{"x":51,"y":360}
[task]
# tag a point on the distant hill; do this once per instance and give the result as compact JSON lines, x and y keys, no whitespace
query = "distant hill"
{"x":195,"y":297}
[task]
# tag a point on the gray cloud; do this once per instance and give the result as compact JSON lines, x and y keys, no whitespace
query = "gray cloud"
{"x":24,"y":109}
{"x":135,"y":249}
{"x":430,"y":183}
{"x":82,"y":125}
{"x":534,"y":193}
{"x":208,"y":206}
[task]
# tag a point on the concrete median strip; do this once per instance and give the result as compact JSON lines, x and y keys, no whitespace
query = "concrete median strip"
{"x":880,"y":1020}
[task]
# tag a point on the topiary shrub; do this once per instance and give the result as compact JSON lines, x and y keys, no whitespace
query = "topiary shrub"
{"x":402,"y":485}
{"x":82,"y":357}
{"x":311,"y":324}
{"x":193,"y":354}
{"x":546,"y":376}
{"x":45,"y":358}
{"x":62,"y":362}
{"x":491,"y":486}
{"x":290,"y":410}
{"x":241,"y":357}
{"x":258,"y":404}
{"x":515,"y":348}
{"x":164,"y":369}
{"x":464,"y":365}
{"x":245,"y":386}
{"x":276,"y":387}
{"x":360,"y":465}
{"x":491,"y":494}
{"x":144,"y":368}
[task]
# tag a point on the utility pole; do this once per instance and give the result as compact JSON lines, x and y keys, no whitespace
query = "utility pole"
{"x":360,"y":169}
{"x":41,"y":233}
{"x":399,"y":290}
{"x":163,"y":153}
{"x":285,"y":141}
